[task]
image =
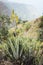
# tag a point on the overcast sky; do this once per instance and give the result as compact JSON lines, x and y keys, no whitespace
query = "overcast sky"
{"x":36,"y":3}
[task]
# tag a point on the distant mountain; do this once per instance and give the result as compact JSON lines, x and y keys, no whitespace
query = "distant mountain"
{"x":25,"y":12}
{"x":3,"y":9}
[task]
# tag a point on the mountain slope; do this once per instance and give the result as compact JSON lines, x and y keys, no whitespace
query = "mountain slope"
{"x":36,"y":29}
{"x":25,"y":12}
{"x":32,"y":30}
{"x":3,"y":9}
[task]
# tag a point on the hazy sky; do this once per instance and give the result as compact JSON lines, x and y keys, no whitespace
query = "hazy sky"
{"x":36,"y":3}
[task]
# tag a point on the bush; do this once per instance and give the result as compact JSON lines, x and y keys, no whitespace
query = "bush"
{"x":27,"y":26}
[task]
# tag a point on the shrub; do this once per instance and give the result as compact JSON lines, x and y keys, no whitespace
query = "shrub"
{"x":27,"y":26}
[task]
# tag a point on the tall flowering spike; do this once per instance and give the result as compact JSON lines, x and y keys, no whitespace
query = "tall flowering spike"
{"x":16,"y":18}
{"x":12,"y":18}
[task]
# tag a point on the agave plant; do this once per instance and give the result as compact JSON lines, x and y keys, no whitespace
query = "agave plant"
{"x":13,"y":49}
{"x":23,"y":50}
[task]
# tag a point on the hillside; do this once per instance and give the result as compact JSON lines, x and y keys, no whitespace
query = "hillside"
{"x":3,"y":9}
{"x":36,"y":30}
{"x":21,"y":44}
{"x":33,"y":29}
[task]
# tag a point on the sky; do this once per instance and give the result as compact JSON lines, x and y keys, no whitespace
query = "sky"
{"x":36,"y":3}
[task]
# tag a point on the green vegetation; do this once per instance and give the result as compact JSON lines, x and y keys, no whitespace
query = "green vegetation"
{"x":4,"y":23}
{"x":19,"y":45}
